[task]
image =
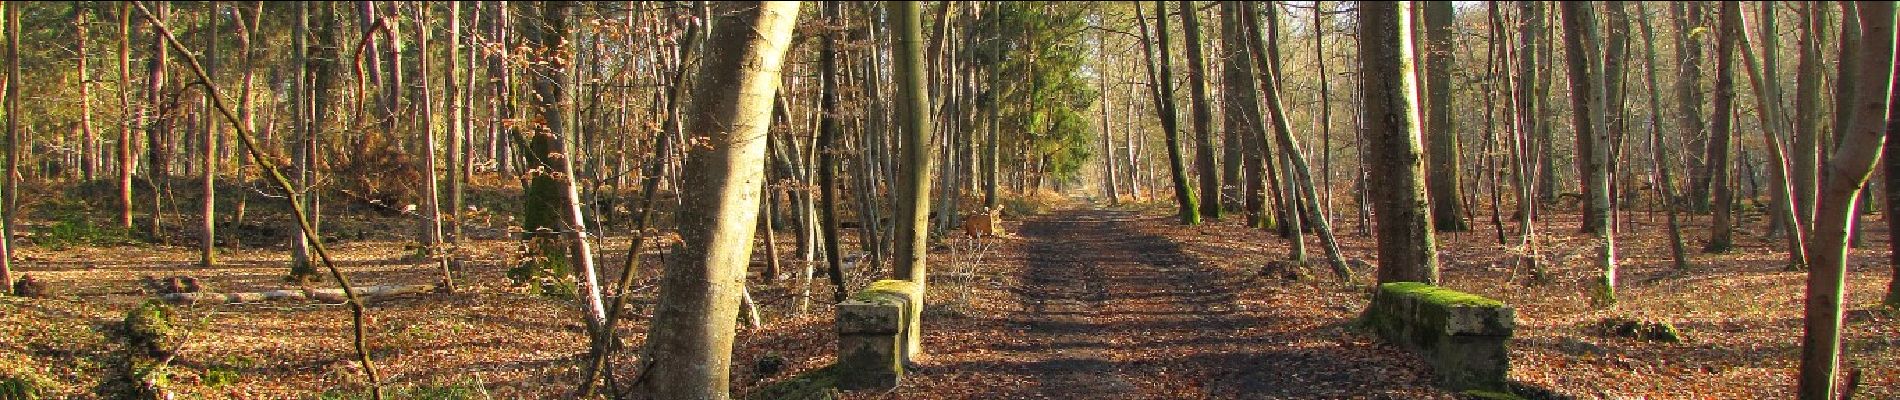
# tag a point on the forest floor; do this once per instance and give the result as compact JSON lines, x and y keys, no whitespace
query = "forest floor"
{"x":1085,"y":302}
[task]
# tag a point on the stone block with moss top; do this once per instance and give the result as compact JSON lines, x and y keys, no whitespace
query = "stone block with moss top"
{"x":1462,"y":334}
{"x":877,"y":332}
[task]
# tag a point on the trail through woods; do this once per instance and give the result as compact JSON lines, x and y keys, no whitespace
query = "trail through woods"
{"x":1095,"y":307}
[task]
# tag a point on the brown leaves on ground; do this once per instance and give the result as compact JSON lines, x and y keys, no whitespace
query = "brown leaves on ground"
{"x":1082,"y":305}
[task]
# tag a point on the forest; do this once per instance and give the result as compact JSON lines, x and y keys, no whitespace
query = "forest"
{"x":949,"y":200}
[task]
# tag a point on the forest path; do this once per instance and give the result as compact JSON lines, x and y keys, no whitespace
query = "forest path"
{"x":1105,"y":304}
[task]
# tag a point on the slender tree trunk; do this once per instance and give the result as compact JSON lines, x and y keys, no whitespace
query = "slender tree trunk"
{"x":689,"y":355}
{"x":1667,"y":186}
{"x":1108,"y":146}
{"x":157,"y":131}
{"x":1721,"y":233}
{"x":431,"y":231}
{"x":129,"y":120}
{"x":829,"y":130}
{"x":1687,"y":16}
{"x":1848,"y":170}
{"x":1587,"y":109}
{"x":88,"y":157}
{"x":1162,"y":87}
{"x":1448,"y":212}
{"x":1767,"y":95}
{"x":1407,"y":250}
{"x":208,"y":239}
{"x":1807,"y":124}
{"x":458,"y":124}
{"x":1300,"y":173}
{"x":12,"y":12}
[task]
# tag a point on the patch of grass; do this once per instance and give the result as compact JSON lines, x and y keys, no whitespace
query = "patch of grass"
{"x":817,"y":384}
{"x":70,"y":227}
{"x":469,"y":389}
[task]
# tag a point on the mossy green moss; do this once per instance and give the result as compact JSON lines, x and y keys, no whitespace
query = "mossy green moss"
{"x":817,"y":384}
{"x":22,"y":386}
{"x":886,"y":287}
{"x":152,"y":328}
{"x":1439,"y":295}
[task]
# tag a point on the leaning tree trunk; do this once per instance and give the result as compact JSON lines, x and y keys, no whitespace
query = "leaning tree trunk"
{"x":1448,"y":209}
{"x":1301,"y":174}
{"x":689,"y":354}
{"x":1587,"y":119}
{"x":1161,"y":89}
{"x":1848,"y":169}
{"x":1407,"y":250}
{"x":1721,"y":234}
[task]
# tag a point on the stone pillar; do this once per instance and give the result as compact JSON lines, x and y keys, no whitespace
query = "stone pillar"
{"x":877,"y":333}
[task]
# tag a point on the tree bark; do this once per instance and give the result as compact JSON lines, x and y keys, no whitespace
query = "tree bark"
{"x":1162,"y":88}
{"x":1588,"y":120}
{"x":1203,"y":120}
{"x":1848,"y":170}
{"x":1660,"y":162}
{"x":1407,"y":250}
{"x":1721,"y":231}
{"x":829,"y":130}
{"x":129,"y":120}
{"x":1448,"y":211}
{"x":689,"y":355}
{"x":1687,"y":16}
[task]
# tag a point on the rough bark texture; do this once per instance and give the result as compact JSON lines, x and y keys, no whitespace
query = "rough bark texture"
{"x":1448,"y":207}
{"x":1407,"y":250}
{"x":689,"y":355}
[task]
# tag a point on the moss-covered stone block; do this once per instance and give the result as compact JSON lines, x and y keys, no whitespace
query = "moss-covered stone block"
{"x":877,"y":331}
{"x":1463,"y":335}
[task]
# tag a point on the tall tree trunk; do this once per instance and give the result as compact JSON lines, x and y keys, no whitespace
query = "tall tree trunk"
{"x":1848,"y":169}
{"x":1667,"y":186}
{"x":1203,"y":120}
{"x":1448,"y":212}
{"x":458,"y":124}
{"x":1240,"y":112}
{"x":1721,"y":237}
{"x":829,"y":130}
{"x":208,"y":239}
{"x":1806,"y":148}
{"x":12,"y":13}
{"x":157,"y":131}
{"x":129,"y":120}
{"x":1407,"y":250}
{"x":1587,"y":119}
{"x":1108,"y":146}
{"x":431,"y":231}
{"x":913,"y":185}
{"x":1687,"y":16}
{"x":553,"y":213}
{"x":88,"y":156}
{"x":1162,"y":87}
{"x":1767,"y":96}
{"x":689,"y":355}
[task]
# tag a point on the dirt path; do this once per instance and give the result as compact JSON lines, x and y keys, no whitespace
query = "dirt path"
{"x":1104,"y":309}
